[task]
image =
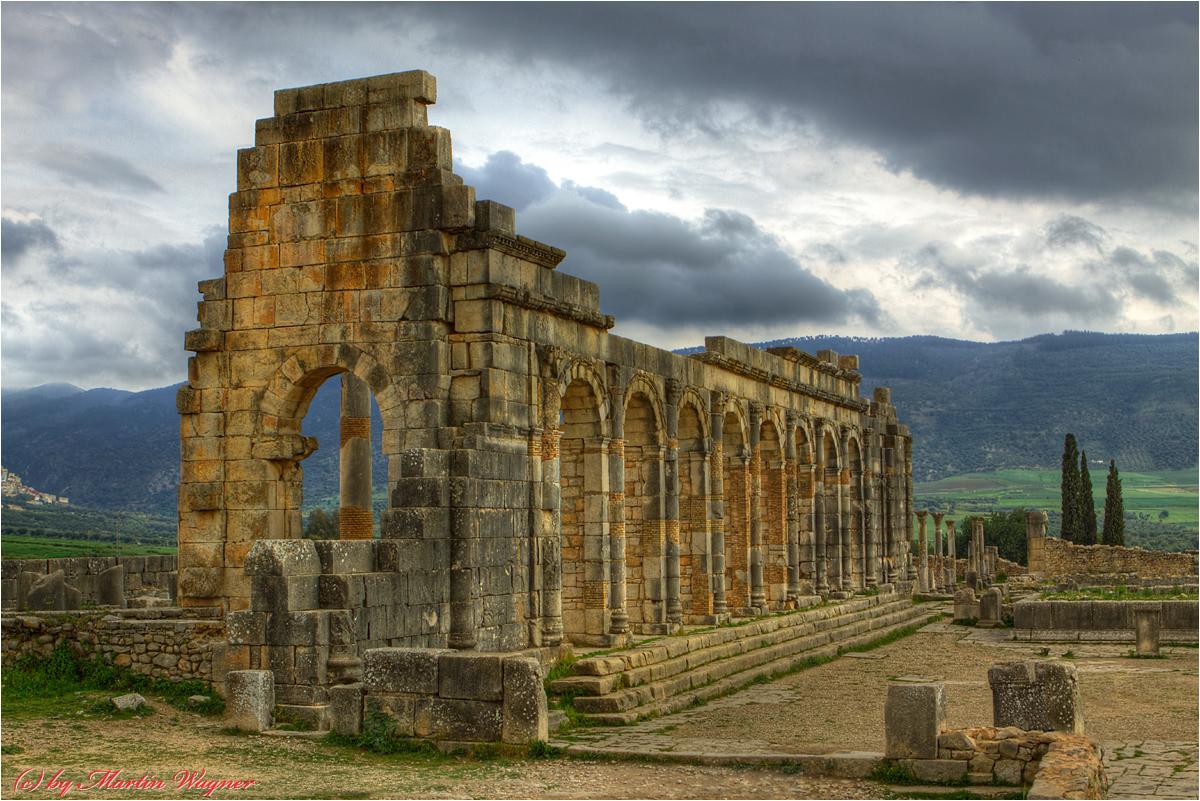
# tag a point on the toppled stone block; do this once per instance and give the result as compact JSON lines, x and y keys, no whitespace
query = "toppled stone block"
{"x":249,"y":699}
{"x":110,"y":587}
{"x":1036,"y":696}
{"x":48,"y":593}
{"x":525,"y":717}
{"x":130,"y":702}
{"x":914,"y":716}
{"x":401,"y":670}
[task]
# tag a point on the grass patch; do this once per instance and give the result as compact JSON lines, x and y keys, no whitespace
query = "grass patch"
{"x":892,"y":773}
{"x":540,"y":749}
{"x":380,"y":736}
{"x":891,"y":637}
{"x":1121,"y":593}
{"x":560,"y":669}
{"x":31,"y":680}
{"x":966,"y":621}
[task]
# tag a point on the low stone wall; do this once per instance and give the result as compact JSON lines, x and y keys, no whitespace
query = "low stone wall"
{"x":1112,"y":620}
{"x":446,"y":696}
{"x":1008,"y":755}
{"x":142,"y":574}
{"x":1051,"y":557}
{"x":154,"y":642}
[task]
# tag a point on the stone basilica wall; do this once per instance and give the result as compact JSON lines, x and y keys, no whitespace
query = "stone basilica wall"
{"x":547,"y":480}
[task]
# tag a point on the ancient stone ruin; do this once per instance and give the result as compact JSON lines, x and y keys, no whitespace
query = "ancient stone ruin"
{"x":547,"y":481}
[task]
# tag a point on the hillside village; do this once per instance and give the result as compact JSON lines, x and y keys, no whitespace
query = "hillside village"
{"x":16,"y":493}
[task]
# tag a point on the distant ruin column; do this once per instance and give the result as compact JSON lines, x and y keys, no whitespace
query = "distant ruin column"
{"x":922,"y":553}
{"x":952,"y":547}
{"x":717,"y":501}
{"x":977,"y":546}
{"x":793,"y":509}
{"x":938,"y":581}
{"x":889,"y":515}
{"x":671,"y":474}
{"x":1035,"y":540}
{"x":758,"y":593}
{"x":355,"y":520}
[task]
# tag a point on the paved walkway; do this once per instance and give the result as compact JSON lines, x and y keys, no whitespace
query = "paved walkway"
{"x":1152,"y":769}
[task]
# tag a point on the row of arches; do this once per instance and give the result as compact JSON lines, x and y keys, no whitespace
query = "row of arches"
{"x":680,"y":506}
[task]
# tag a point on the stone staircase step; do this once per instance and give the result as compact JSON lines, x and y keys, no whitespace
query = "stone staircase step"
{"x":659,"y":699}
{"x":661,"y":659}
{"x":748,"y":643}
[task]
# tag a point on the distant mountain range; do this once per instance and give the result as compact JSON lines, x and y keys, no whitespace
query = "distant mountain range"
{"x":971,"y":406}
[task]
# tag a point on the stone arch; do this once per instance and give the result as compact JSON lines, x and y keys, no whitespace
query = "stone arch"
{"x":642,"y":384}
{"x":579,"y":370}
{"x":856,"y":542}
{"x":645,"y":518}
{"x":279,"y":448}
{"x":583,"y":507}
{"x":695,"y":571}
{"x":735,"y":444}
{"x":772,"y":505}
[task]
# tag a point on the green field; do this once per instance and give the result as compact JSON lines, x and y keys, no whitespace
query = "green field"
{"x":20,"y":547}
{"x":1160,"y":507}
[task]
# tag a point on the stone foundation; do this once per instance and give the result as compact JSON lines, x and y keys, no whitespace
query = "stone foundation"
{"x":1101,"y":620}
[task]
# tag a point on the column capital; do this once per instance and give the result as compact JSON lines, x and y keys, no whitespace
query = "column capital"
{"x":673,"y":391}
{"x":921,"y":514}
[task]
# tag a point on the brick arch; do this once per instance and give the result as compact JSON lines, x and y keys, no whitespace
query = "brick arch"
{"x":643,"y":384}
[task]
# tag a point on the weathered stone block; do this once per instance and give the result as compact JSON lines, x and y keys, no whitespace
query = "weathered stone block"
{"x":524,"y":711}
{"x":249,"y":699}
{"x":401,"y":670}
{"x":47,"y":593}
{"x":346,"y":709}
{"x":246,"y":627}
{"x":283,"y":558}
{"x":458,"y":720}
{"x":936,"y":770}
{"x":470,"y":675}
{"x":1036,"y":696}
{"x":110,"y":587}
{"x":914,"y":716}
{"x":1147,"y":622}
{"x":346,"y":556}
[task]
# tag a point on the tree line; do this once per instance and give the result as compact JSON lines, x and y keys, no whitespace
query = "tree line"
{"x":1079,"y":504}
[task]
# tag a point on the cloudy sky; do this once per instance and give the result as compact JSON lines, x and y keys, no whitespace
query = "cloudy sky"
{"x":973,"y":171}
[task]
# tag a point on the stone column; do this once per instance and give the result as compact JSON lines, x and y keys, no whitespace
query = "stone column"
{"x":922,"y":553}
{"x":869,"y":517}
{"x":671,"y":502}
{"x":846,"y":512}
{"x":552,"y":624}
{"x":758,"y":593}
{"x":1035,"y":541}
{"x":355,"y":519}
{"x":619,"y":619}
{"x":938,"y":582}
{"x":820,"y":563}
{"x":977,"y":546}
{"x":793,"y":509}
{"x":717,"y":501}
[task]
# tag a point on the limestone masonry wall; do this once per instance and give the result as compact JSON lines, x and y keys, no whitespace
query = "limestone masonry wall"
{"x":142,"y":573}
{"x":1051,"y":557}
{"x":154,"y":642}
{"x":1178,"y":617}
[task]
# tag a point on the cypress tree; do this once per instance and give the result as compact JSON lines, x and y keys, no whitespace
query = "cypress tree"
{"x":1087,"y":503}
{"x":1114,"y":508}
{"x":1072,"y":526}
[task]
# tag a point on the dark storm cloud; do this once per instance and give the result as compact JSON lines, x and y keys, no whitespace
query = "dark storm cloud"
{"x":1074,"y":100}
{"x":20,"y":236}
{"x":1044,"y":99}
{"x":659,"y":269}
{"x":1162,"y":276}
{"x":94,"y":168}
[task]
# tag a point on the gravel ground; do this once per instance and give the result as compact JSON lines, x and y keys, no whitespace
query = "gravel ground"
{"x":839,"y":706}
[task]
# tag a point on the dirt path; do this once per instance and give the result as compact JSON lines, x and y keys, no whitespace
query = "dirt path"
{"x":169,"y":740}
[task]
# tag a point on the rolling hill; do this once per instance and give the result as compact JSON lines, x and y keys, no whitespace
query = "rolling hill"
{"x":972,"y":407}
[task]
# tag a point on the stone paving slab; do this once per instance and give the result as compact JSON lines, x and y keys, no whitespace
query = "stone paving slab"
{"x":1152,"y":769}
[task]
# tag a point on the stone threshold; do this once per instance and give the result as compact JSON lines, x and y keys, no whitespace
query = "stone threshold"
{"x":839,"y":764}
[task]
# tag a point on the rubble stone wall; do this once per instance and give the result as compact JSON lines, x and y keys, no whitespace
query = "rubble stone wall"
{"x":142,"y":574}
{"x":1051,"y":557}
{"x":154,"y":642}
